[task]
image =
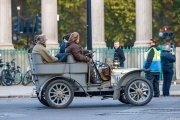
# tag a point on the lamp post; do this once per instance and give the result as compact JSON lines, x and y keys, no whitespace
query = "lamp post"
{"x":89,"y":25}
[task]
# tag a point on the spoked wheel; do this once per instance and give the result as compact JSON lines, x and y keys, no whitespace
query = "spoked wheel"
{"x":6,"y":78}
{"x":42,"y":99}
{"x":123,"y":98}
{"x":17,"y":77}
{"x":138,"y":91}
{"x":59,"y":94}
{"x":27,"y":78}
{"x":0,"y":80}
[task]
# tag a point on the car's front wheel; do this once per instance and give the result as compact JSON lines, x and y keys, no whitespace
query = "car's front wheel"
{"x":138,"y":91}
{"x":123,"y":98}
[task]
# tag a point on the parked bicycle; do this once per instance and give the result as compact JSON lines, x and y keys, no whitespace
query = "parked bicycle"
{"x":1,"y":65}
{"x":11,"y":75}
{"x":28,"y":78}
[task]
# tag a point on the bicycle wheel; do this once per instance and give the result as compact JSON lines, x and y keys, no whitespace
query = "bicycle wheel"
{"x":17,"y":77}
{"x":6,"y":78}
{"x":0,"y":80}
{"x":27,"y":78}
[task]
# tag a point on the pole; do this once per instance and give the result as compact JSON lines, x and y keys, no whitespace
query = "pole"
{"x":89,"y":25}
{"x":27,"y":30}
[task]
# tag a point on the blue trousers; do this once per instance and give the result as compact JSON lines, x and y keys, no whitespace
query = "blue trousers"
{"x":122,"y":66}
{"x":154,"y":79}
{"x":167,"y":76}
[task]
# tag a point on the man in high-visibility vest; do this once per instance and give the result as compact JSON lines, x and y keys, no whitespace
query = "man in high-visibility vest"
{"x":153,"y":63}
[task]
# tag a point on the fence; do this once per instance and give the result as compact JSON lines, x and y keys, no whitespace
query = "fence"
{"x":134,"y":57}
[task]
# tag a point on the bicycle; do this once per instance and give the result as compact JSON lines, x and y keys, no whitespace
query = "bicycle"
{"x":10,"y":75}
{"x":1,"y":65}
{"x":28,"y":78}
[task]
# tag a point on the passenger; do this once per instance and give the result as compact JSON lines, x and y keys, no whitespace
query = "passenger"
{"x":33,"y":44}
{"x":40,"y":48}
{"x":63,"y":44}
{"x":73,"y":47}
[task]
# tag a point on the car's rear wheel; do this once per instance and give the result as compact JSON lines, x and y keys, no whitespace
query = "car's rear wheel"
{"x":42,"y":99}
{"x":59,"y":94}
{"x":138,"y":91}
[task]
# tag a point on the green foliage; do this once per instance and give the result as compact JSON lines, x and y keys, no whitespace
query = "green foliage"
{"x":166,"y":12}
{"x":119,"y":21}
{"x":72,"y":18}
{"x":119,"y":18}
{"x":20,"y":44}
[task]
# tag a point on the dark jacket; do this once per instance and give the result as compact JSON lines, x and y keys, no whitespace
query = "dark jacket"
{"x":118,"y":53}
{"x":77,"y":52}
{"x":150,"y":56}
{"x":167,"y":60}
{"x":62,"y":47}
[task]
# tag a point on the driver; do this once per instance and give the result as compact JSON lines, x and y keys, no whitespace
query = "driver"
{"x":73,"y":47}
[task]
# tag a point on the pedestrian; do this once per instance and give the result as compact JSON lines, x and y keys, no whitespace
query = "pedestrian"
{"x":63,"y":44}
{"x":33,"y":44}
{"x":119,"y":54}
{"x":167,"y":60}
{"x":152,"y":63}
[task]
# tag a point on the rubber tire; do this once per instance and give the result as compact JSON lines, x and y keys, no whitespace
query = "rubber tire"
{"x":126,"y":91}
{"x":18,"y":82}
{"x":28,"y":81}
{"x":0,"y":80}
{"x":42,"y":100}
{"x":47,"y":92}
{"x":4,"y":80}
{"x":123,"y":99}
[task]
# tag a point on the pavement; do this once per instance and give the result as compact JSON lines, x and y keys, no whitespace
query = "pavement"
{"x":20,"y":91}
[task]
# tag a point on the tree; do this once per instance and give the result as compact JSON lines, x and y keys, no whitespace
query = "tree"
{"x":119,"y":21}
{"x":166,"y":12}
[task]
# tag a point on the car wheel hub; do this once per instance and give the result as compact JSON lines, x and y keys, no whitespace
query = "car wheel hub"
{"x":59,"y":94}
{"x":139,"y":92}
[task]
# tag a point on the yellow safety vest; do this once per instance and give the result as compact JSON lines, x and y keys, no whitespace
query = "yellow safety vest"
{"x":156,"y":61}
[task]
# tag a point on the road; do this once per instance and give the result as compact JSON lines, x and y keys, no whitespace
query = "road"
{"x":163,"y":108}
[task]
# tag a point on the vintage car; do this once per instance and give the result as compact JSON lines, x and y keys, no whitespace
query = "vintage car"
{"x":58,"y":83}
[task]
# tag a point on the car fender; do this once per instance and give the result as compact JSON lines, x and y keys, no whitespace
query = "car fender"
{"x":52,"y":79}
{"x":122,"y":82}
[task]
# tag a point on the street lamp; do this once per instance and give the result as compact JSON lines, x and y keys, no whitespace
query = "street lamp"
{"x":18,"y":8}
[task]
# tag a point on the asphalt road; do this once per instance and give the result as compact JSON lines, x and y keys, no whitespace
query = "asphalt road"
{"x":163,"y":108}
